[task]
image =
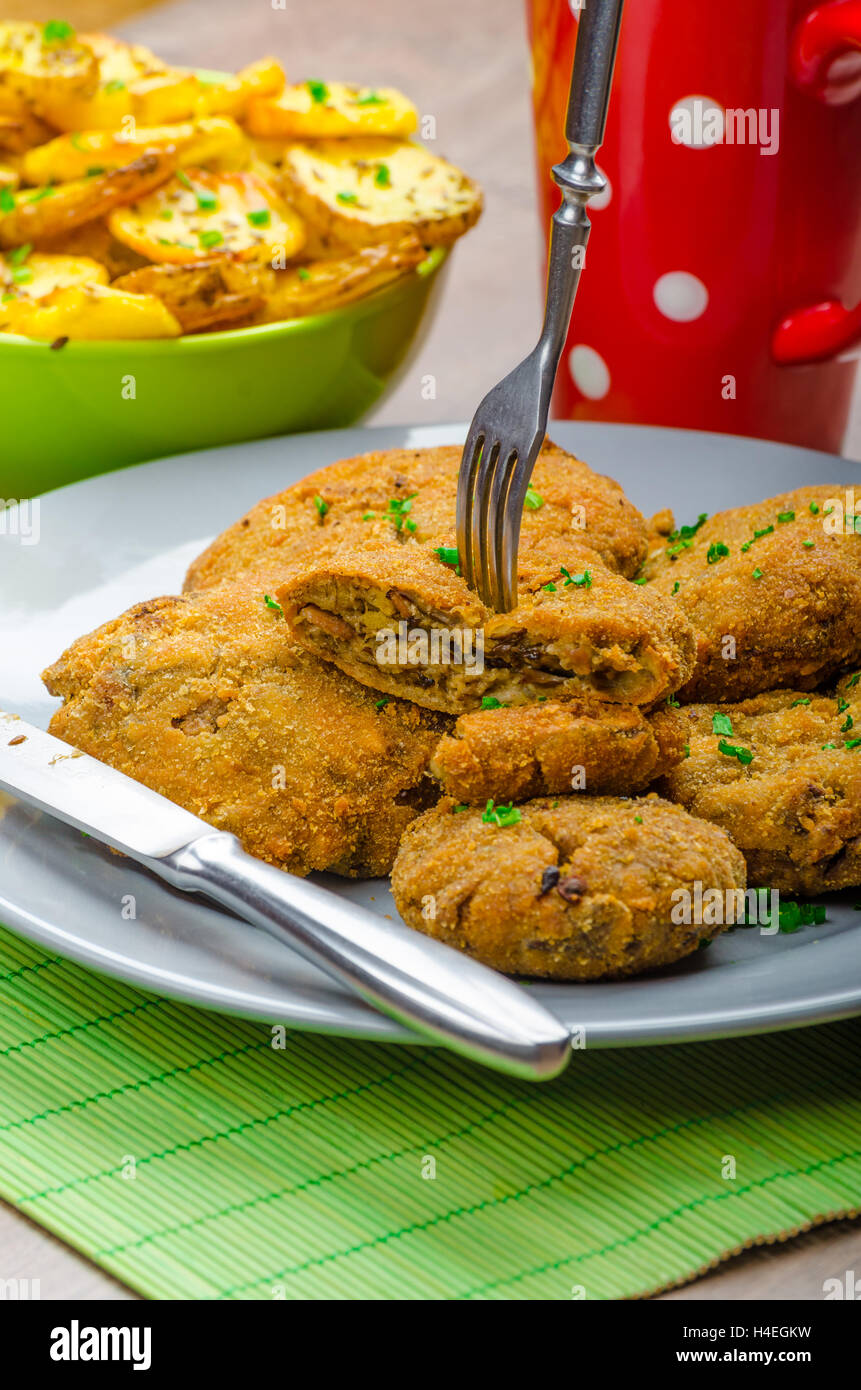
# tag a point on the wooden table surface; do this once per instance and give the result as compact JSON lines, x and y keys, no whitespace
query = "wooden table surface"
{"x":465,"y":62}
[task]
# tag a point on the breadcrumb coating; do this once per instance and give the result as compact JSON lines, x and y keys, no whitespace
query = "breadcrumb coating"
{"x":513,"y":754}
{"x":784,"y":780}
{"x":206,"y":699}
{"x":579,"y":889}
{"x":773,"y":592}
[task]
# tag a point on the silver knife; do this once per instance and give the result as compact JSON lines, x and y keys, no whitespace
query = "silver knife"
{"x":422,"y":983}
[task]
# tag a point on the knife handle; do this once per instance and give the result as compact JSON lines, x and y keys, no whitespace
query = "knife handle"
{"x":441,"y":994}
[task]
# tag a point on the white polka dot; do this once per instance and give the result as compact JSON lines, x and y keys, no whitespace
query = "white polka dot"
{"x":680,"y":296}
{"x":698,"y":122}
{"x":601,"y":200}
{"x":589,"y":372}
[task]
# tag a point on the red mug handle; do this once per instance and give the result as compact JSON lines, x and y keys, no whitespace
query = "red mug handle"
{"x":825,"y":61}
{"x":826,"y":52}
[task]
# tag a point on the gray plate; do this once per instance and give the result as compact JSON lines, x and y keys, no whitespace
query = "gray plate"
{"x":107,"y":542}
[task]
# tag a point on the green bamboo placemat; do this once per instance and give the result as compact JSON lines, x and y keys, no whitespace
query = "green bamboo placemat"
{"x":183,"y":1153}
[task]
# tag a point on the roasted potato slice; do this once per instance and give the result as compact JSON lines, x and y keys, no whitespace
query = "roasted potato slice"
{"x":320,"y":110}
{"x":20,"y":129}
{"x":325,"y":285}
{"x":45,"y":60}
{"x":366,"y":191}
{"x":228,"y":94}
{"x":199,"y":214}
{"x":73,"y":156}
{"x":131,"y":81}
{"x":33,"y":215}
{"x":88,"y":311}
{"x":208,"y":294}
{"x":33,"y":276}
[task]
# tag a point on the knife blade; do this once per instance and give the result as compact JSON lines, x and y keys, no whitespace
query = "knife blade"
{"x":447,"y":997}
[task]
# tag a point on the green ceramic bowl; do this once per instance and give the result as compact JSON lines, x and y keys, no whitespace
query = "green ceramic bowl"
{"x":92,"y":406}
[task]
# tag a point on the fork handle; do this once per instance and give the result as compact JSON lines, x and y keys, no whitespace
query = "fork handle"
{"x":595,"y":54}
{"x":578,"y":176}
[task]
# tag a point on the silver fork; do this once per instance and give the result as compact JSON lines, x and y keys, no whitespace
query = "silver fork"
{"x":508,"y":428}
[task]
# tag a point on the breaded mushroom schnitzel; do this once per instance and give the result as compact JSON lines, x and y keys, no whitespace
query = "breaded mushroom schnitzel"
{"x":402,"y":494}
{"x":781,"y":772}
{"x":773,"y":591}
{"x":554,"y":748}
{"x":400,"y":618}
{"x":206,"y":699}
{"x":578,"y":889}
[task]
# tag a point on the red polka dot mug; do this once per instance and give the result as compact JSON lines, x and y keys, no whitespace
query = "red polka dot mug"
{"x":722,"y":285}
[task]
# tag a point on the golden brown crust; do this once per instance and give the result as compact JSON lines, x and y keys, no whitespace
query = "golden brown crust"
{"x":794,"y":810}
{"x":577,"y":506}
{"x":82,"y":200}
{"x":512,"y":754}
{"x":795,"y":625}
{"x":208,"y":701}
{"x":579,"y":889}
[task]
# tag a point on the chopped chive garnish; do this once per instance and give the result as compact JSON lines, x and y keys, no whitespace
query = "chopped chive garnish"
{"x":322,"y":507}
{"x":549,"y":588}
{"x":580,"y":581}
{"x":500,"y":815}
{"x":464,"y":806}
{"x":57,"y":29}
{"x":533,"y":500}
{"x":641,"y":580}
{"x":687,"y":750}
{"x":852,"y":743}
{"x":381,"y":704}
{"x":448,"y":554}
{"x":206,"y":201}
{"x":677,"y":586}
{"x":638,"y":820}
{"x":827,"y":746}
{"x":716,"y":551}
{"x":721,"y":723}
{"x":183,"y":178}
{"x":786,"y":516}
{"x":261,"y":217}
{"x":270,"y":603}
{"x":371,"y":99}
{"x":347,"y":197}
{"x":673,"y":702}
{"x":7,"y":200}
{"x":368,"y":516}
{"x":490,"y":702}
{"x":841,"y":704}
{"x":382,"y":177}
{"x":730,"y":750}
{"x":757,"y":573}
{"x":804,"y":701}
{"x":766,"y":531}
{"x":853,"y":680}
{"x":318,"y":90}
{"x":847,"y":724}
{"x":303,"y":273}
{"x":212,"y":238}
{"x":808,"y":544}
{"x":114,"y":86}
{"x":22,"y":275}
{"x":20,"y":254}
{"x":40,"y":194}
{"x":397,"y":509}
{"x":814,"y":507}
{"x":166,"y":214}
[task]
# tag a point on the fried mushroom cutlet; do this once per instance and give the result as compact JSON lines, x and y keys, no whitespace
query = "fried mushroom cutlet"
{"x":781,"y":773}
{"x":554,"y":748}
{"x":206,"y":699}
{"x":579,"y":889}
{"x":403,"y":494}
{"x":773,"y":590}
{"x":400,"y":618}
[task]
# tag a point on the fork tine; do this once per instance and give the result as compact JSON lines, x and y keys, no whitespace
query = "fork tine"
{"x":482,"y":520}
{"x":466,"y":501}
{"x":500,"y":588}
{"x":515,"y":495}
